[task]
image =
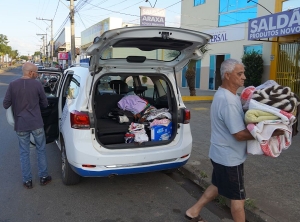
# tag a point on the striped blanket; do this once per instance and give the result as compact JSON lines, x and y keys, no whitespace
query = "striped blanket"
{"x":278,"y":96}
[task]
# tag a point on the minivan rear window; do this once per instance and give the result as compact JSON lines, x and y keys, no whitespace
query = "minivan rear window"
{"x":166,"y":55}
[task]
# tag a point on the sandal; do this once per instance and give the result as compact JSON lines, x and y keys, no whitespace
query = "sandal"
{"x":195,"y":219}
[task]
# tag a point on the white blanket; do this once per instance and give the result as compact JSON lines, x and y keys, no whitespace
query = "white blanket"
{"x":287,"y":118}
{"x":264,"y":143}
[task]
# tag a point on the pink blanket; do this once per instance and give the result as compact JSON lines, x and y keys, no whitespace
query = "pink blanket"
{"x":264,"y":143}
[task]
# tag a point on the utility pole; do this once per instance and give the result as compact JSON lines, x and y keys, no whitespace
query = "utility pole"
{"x":45,"y":46}
{"x":52,"y":47}
{"x":72,"y":20}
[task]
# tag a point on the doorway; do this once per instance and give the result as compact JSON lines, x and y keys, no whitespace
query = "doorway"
{"x":218,"y":80}
{"x":215,"y":70}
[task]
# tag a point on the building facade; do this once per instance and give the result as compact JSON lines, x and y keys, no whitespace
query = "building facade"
{"x":62,"y":44}
{"x":228,"y":22}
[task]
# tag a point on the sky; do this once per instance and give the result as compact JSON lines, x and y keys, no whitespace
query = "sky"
{"x":20,"y":24}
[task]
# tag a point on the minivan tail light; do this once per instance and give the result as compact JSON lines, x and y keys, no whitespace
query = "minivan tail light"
{"x":187,"y":116}
{"x":79,"y":120}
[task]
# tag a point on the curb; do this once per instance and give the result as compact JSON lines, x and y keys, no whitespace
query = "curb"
{"x":252,"y":215}
{"x":197,"y":98}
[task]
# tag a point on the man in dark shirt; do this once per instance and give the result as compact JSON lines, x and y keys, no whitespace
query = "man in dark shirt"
{"x":26,"y":95}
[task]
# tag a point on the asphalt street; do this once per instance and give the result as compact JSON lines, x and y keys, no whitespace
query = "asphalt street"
{"x":153,"y":197}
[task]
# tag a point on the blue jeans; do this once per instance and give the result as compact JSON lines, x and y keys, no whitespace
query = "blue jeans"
{"x":24,"y":145}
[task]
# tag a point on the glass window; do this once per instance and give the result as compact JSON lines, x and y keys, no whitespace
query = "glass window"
{"x":290,"y":4}
{"x":250,"y":48}
{"x":74,"y":87}
{"x":166,"y":55}
{"x":198,"y":2}
{"x":236,"y":11}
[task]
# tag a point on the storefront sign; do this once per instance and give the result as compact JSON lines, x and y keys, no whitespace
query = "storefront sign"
{"x":63,"y":56}
{"x":152,"y":16}
{"x":227,"y":34}
{"x":279,"y":24}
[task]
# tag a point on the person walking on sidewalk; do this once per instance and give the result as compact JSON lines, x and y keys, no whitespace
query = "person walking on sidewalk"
{"x":228,"y":144}
{"x":26,"y":95}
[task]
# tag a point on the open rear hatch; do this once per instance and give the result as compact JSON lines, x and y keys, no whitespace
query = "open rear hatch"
{"x":133,"y":83}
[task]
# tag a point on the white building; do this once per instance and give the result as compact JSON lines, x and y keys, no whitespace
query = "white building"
{"x":63,"y":44}
{"x":227,"y":21}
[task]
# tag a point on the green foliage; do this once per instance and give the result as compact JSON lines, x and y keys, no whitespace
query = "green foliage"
{"x":5,"y":48}
{"x":24,"y":57}
{"x":254,"y":68}
{"x":144,"y":79}
{"x":203,"y":174}
{"x":37,"y":53}
{"x":221,"y":200}
{"x":249,"y":203}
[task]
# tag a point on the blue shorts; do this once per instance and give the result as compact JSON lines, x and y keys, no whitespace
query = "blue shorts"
{"x":229,"y":181}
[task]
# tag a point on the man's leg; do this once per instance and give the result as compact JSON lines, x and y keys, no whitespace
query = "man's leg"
{"x":210,"y":193}
{"x":237,"y":210}
{"x":24,"y":144}
{"x":40,"y":142}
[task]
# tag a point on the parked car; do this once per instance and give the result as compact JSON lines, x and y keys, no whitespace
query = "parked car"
{"x":84,"y":115}
{"x":39,"y":66}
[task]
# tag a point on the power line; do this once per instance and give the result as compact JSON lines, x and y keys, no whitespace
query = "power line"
{"x":81,"y":20}
{"x":163,"y":8}
{"x":56,"y":9}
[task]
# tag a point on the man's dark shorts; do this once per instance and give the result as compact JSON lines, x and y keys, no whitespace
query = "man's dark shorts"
{"x":229,"y":181}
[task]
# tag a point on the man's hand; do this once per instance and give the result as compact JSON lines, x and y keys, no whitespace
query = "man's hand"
{"x":278,"y":132}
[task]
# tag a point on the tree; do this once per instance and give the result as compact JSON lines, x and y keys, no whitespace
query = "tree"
{"x":24,"y":57}
{"x":191,"y":72}
{"x":254,"y":68}
{"x":3,"y":39}
{"x":37,"y":53}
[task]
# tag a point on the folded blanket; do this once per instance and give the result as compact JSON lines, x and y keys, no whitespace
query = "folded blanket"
{"x":255,"y":116}
{"x":286,"y":118}
{"x":277,"y":96}
{"x":264,"y":142}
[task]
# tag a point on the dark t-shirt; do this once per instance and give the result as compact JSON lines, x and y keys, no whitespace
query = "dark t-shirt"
{"x":26,"y":96}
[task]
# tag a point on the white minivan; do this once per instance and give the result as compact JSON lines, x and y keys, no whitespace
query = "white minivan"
{"x":123,"y":114}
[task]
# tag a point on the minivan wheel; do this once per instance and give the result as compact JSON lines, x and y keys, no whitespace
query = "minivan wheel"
{"x":69,"y":177}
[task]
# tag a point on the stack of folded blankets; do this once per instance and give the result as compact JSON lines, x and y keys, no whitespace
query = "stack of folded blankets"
{"x":269,"y":107}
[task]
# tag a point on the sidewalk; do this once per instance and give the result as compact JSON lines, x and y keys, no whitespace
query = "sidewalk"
{"x":5,"y":69}
{"x":272,"y":184}
{"x":201,"y":95}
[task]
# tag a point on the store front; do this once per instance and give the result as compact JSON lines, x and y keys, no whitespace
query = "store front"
{"x":283,"y":30}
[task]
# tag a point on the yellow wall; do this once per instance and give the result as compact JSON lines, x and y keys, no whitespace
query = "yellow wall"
{"x":289,"y":38}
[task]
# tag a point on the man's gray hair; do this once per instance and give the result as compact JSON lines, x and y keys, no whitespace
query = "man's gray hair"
{"x":228,"y":66}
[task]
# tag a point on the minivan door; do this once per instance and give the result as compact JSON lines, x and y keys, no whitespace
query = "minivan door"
{"x":50,"y":79}
{"x":50,"y":119}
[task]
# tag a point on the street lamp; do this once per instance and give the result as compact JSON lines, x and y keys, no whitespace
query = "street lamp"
{"x":260,"y":5}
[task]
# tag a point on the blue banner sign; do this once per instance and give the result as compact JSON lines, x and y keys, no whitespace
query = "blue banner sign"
{"x":279,"y":24}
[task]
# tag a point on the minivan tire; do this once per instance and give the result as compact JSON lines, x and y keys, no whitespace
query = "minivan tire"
{"x":69,"y":177}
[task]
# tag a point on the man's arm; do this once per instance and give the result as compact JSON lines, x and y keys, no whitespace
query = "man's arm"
{"x":43,"y":97}
{"x":246,"y":135}
{"x":243,"y":135}
{"x":7,"y":99}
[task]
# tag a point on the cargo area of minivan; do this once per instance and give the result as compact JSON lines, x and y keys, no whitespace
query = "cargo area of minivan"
{"x":134,"y":110}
